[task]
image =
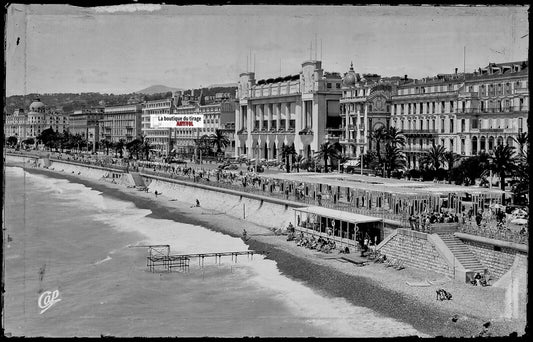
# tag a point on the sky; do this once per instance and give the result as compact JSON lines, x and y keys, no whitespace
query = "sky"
{"x":123,"y":49}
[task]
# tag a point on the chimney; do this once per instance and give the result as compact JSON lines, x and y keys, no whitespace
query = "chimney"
{"x":456,"y":71}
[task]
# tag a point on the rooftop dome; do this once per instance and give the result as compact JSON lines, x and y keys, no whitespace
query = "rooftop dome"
{"x":350,"y":77}
{"x":37,"y":106}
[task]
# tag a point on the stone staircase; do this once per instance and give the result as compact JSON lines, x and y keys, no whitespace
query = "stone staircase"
{"x":139,"y":182}
{"x":461,"y":252}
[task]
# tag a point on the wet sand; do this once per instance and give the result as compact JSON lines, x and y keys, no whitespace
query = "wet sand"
{"x":374,"y":286}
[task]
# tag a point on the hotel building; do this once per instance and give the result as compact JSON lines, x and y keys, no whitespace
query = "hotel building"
{"x":31,"y":124}
{"x":85,"y":122}
{"x":493,"y":107}
{"x":465,"y":113}
{"x":218,"y":115}
{"x":121,"y":122}
{"x":159,"y":138}
{"x":365,"y":106}
{"x":295,"y":109}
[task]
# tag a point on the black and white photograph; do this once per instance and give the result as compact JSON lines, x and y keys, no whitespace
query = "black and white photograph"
{"x":265,"y":170}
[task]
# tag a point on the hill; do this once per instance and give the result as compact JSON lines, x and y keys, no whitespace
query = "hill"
{"x":157,"y":89}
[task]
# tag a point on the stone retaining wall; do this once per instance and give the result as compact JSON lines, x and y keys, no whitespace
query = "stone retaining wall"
{"x":415,"y":250}
{"x":498,"y":260}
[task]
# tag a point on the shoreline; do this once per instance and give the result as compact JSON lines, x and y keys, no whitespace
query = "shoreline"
{"x":372,"y":286}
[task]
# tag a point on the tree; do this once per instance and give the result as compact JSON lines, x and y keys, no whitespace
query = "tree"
{"x":134,"y":147}
{"x":47,"y":137}
{"x":522,"y":139}
{"x":503,"y":161}
{"x":220,"y":140}
{"x":298,"y":159}
{"x":287,"y":151}
{"x":451,"y":158}
{"x":328,"y":151}
{"x":119,"y":147}
{"x":76,"y":140}
{"x":145,"y":146}
{"x":29,"y":141}
{"x":106,"y":144}
{"x":394,"y":159}
{"x":435,"y":156}
{"x":378,"y":136}
{"x":394,"y":137}
{"x":12,"y":141}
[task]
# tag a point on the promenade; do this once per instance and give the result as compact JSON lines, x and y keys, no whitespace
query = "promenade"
{"x":401,"y":203}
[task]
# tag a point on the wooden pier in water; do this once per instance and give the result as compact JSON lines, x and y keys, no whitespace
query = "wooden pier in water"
{"x":159,"y":258}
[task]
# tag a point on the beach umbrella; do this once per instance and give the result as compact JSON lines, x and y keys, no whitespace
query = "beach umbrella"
{"x":497,"y":206}
{"x":519,"y":221}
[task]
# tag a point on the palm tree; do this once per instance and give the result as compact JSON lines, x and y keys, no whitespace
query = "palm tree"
{"x":287,"y":151}
{"x":450,"y":158}
{"x":145,"y":146}
{"x":435,"y":156}
{"x":394,"y":159}
{"x":503,"y":161}
{"x":328,"y":151}
{"x":106,"y":144}
{"x":522,"y":139}
{"x":220,"y":140}
{"x":119,"y":147}
{"x":134,"y":147}
{"x":378,"y":136}
{"x":394,"y":137}
{"x":298,"y":159}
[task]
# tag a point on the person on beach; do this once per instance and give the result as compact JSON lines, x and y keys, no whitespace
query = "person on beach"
{"x":156,"y":193}
{"x":197,"y":202}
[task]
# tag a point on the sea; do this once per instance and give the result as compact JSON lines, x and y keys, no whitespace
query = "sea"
{"x":70,"y":270}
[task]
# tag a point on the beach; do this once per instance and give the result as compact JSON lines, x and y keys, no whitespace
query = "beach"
{"x":384,"y":290}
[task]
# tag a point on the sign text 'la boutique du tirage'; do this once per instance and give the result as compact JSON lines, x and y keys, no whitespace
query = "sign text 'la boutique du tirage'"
{"x":176,"y":121}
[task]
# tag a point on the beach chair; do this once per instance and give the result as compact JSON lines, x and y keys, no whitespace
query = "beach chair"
{"x":381,"y":259}
{"x":390,"y":263}
{"x":399,"y":266}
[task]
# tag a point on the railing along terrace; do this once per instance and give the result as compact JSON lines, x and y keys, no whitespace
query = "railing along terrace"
{"x":494,"y":232}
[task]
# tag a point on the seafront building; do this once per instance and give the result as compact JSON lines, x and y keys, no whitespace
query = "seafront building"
{"x":85,"y":122}
{"x":292,"y":110}
{"x":464,"y":112}
{"x":121,"y":122}
{"x":217,"y":115}
{"x":365,"y":106}
{"x":29,"y":125}
{"x":494,"y":107}
{"x":159,"y":138}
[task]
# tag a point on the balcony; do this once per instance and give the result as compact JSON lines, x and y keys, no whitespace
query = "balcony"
{"x":491,"y":130}
{"x":420,"y":132}
{"x":511,"y":109}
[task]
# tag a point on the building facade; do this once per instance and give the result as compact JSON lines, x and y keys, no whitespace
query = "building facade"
{"x":159,"y":138}
{"x":121,"y":122}
{"x":218,"y":115}
{"x":365,"y":106}
{"x":85,"y":122}
{"x":37,"y":119}
{"x":493,"y":107}
{"x":464,"y":113}
{"x":295,"y":109}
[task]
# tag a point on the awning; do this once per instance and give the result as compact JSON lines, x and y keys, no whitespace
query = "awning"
{"x":339,"y":215}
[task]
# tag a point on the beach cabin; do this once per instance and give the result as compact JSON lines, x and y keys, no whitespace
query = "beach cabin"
{"x":345,"y":228}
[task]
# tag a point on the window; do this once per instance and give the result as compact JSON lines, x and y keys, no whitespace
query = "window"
{"x":329,"y":85}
